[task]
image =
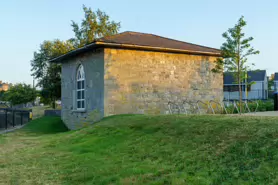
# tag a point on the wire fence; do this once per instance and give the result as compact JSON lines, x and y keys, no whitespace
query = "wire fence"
{"x":10,"y":118}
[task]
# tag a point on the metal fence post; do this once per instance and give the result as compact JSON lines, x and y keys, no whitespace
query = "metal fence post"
{"x":21,"y":117}
{"x":6,"y":117}
{"x":13,"y":119}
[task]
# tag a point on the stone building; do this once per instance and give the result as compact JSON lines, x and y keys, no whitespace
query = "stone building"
{"x":4,"y":86}
{"x":134,"y":73}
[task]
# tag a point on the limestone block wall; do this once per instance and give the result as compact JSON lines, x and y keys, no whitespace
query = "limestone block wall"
{"x":94,"y":90}
{"x":144,"y":81}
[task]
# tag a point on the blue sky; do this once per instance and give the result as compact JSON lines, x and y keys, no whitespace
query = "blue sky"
{"x":26,"y":24}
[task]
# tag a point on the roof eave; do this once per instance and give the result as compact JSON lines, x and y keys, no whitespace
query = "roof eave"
{"x":72,"y":53}
{"x":151,"y":48}
{"x":131,"y":46}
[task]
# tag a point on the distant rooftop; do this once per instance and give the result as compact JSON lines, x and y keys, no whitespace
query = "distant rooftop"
{"x":276,"y":77}
{"x":258,"y":75}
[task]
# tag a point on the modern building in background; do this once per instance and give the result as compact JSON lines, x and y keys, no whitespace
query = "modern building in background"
{"x":255,"y":87}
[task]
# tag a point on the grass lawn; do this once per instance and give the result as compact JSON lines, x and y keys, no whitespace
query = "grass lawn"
{"x":140,"y":149}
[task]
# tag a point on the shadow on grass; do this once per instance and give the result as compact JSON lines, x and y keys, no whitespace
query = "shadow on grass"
{"x":46,"y":125}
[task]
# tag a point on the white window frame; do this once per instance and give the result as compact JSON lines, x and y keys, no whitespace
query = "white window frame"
{"x":80,"y":88}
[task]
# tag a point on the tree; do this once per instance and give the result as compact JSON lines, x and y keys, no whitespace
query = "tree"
{"x":235,"y":52}
{"x":20,"y":94}
{"x":270,"y":84}
{"x":2,"y":98}
{"x":94,"y":25}
{"x":48,"y":74}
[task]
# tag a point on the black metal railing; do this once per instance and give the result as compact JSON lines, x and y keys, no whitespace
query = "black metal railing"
{"x":10,"y":118}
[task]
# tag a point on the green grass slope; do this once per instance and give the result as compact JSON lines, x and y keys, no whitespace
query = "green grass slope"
{"x":139,"y":149}
{"x":46,"y":125}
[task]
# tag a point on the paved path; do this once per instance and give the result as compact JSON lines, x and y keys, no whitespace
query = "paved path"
{"x":10,"y":129}
{"x":269,"y":113}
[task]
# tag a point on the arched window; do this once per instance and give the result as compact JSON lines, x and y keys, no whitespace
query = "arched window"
{"x":80,"y":88}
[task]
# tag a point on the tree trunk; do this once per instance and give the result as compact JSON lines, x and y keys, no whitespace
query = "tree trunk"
{"x":53,"y":104}
{"x":239,"y":68}
{"x":240,"y":99}
{"x":240,"y":92}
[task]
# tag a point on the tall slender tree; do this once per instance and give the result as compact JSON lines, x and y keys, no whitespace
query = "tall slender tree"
{"x":235,"y":52}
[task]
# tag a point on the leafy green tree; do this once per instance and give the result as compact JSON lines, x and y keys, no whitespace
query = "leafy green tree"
{"x":48,"y":74}
{"x":2,"y":98}
{"x":235,"y":52}
{"x":48,"y":50}
{"x":20,"y":94}
{"x":94,"y":25}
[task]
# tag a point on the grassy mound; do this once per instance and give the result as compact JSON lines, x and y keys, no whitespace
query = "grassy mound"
{"x":138,"y":149}
{"x":46,"y":125}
